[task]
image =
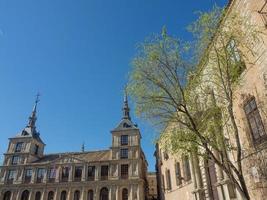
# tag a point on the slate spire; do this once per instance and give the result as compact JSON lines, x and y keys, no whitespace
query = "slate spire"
{"x":33,"y":117}
{"x":126,"y":109}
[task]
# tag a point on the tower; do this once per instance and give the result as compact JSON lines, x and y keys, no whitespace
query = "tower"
{"x":26,"y":146}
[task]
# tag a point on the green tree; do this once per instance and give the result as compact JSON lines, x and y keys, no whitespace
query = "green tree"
{"x":174,"y":95}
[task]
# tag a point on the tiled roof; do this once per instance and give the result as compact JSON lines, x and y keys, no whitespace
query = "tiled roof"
{"x":89,"y":156}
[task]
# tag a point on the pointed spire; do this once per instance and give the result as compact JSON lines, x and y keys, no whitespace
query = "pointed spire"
{"x":126,"y":109}
{"x":33,"y":117}
{"x":83,"y":147}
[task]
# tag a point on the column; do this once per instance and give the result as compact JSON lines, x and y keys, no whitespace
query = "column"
{"x":84,"y":173}
{"x":18,"y":195}
{"x":69,"y":195}
{"x":83,"y":194}
{"x":97,"y":172}
{"x":58,"y":172}
{"x":43,"y":195}
{"x":33,"y":175}
{"x":56,"y":197}
{"x":31,"y":195}
{"x":71,"y":173}
{"x":97,"y":193}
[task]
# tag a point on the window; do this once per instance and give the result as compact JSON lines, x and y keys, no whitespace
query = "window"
{"x":104,"y":172}
{"x":124,"y":153}
{"x":11,"y":175}
{"x":124,"y":194}
{"x":78,"y":173}
{"x":15,"y":160}
{"x":76,"y":195}
{"x":90,"y":195}
{"x":52,"y":174}
{"x":178,"y":174}
{"x":237,"y":65}
{"x":104,"y":194}
{"x":124,"y":140}
{"x":65,"y":174}
{"x":187,"y":172}
{"x":19,"y":147}
{"x":63,"y":195}
{"x":168,"y":179}
{"x":165,"y":155}
{"x":36,"y":149}
{"x":28,"y":175}
{"x":124,"y":171}
{"x":254,"y":121}
{"x":163,"y":182}
{"x":50,"y":195}
{"x":25,"y":195}
{"x":91,"y":173}
{"x":38,"y":196}
{"x":263,"y":12}
{"x":40,"y":175}
{"x":7,"y":195}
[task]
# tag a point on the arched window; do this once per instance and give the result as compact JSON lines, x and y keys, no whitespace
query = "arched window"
{"x":25,"y":195}
{"x":124,"y":194}
{"x":7,"y":195}
{"x":38,"y":196}
{"x":50,"y":195}
{"x":76,"y":195}
{"x":63,"y":195}
{"x":90,"y":195}
{"x":104,"y":194}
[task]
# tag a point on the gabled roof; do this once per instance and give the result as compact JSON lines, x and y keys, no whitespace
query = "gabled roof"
{"x":125,"y":124}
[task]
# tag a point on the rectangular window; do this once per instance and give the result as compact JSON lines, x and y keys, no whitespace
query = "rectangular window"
{"x":178,"y":174}
{"x":168,"y":178}
{"x":163,"y":182}
{"x":40,"y":175}
{"x":36,"y":149}
{"x":124,"y":171}
{"x":104,"y":172}
{"x":254,"y":121}
{"x":52,"y":174}
{"x":91,"y":173}
{"x":19,"y":147}
{"x":15,"y":160}
{"x":124,"y":153}
{"x":78,"y":173}
{"x":11,"y":176}
{"x":187,"y":172}
{"x":124,"y":140}
{"x":65,"y":174}
{"x":28,"y":175}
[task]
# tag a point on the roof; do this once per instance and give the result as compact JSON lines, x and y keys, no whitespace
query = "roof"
{"x":125,"y":124}
{"x":89,"y":156}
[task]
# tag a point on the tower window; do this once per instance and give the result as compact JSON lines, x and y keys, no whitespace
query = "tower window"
{"x":91,"y":173}
{"x":124,"y":140}
{"x":78,"y":173}
{"x":124,"y":171}
{"x":124,"y":153}
{"x":28,"y":175}
{"x":104,"y":172}
{"x":15,"y":160}
{"x":19,"y":147}
{"x":36,"y":149}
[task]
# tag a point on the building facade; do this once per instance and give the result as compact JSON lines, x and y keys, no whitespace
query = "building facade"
{"x":207,"y":180}
{"x":152,"y":186}
{"x":118,"y":173}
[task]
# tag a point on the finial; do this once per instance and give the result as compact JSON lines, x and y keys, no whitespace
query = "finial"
{"x":83,"y":147}
{"x":33,"y":118}
{"x":126,"y":109}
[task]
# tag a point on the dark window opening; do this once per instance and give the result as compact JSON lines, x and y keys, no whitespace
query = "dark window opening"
{"x":91,"y":173}
{"x":28,"y":176}
{"x":124,"y":140}
{"x":187,"y":171}
{"x":78,"y":173}
{"x":124,"y":171}
{"x":65,"y":174}
{"x":104,"y":172}
{"x":19,"y":147}
{"x":124,"y":153}
{"x":15,"y":160}
{"x":40,"y":175}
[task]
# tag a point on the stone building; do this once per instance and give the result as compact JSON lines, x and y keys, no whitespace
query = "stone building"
{"x":152,"y":186}
{"x":206,"y":180}
{"x":118,"y":173}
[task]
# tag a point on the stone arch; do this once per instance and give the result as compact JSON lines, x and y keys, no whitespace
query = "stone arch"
{"x":104,"y":194}
{"x":90,"y":195}
{"x":124,"y":194}
{"x":76,"y":195}
{"x":7,"y":195}
{"x":25,"y":195}
{"x":38,"y":195}
{"x":63,"y":195}
{"x":50,"y":195}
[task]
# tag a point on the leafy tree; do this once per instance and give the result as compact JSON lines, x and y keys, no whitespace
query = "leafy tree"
{"x":195,"y":104}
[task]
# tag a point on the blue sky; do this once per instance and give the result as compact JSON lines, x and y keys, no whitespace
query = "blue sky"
{"x":77,"y":54}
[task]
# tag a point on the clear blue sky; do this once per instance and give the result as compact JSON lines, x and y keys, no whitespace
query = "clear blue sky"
{"x":77,"y":54}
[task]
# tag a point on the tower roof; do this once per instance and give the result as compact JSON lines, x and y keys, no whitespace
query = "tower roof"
{"x":30,"y":129}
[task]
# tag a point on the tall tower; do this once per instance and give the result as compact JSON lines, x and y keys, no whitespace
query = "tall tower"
{"x":27,"y":146}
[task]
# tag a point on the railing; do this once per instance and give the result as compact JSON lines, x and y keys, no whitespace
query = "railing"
{"x":51,"y":180}
{"x":64,"y":179}
{"x":104,"y":178}
{"x":77,"y":178}
{"x":91,"y":178}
